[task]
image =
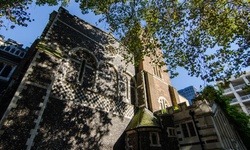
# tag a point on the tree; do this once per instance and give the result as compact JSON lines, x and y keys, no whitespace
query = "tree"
{"x":210,"y":39}
{"x":14,"y":11}
{"x":239,"y":119}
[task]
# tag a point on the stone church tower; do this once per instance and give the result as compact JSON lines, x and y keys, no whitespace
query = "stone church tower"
{"x":78,"y":93}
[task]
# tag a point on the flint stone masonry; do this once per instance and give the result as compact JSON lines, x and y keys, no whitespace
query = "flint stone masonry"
{"x":78,"y":93}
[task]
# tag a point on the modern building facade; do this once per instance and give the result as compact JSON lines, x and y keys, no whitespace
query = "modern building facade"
{"x":77,"y":93}
{"x":189,"y":93}
{"x":237,"y":90}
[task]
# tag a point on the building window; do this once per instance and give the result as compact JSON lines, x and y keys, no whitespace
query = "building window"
{"x":157,"y":70}
{"x":154,"y":139}
{"x":132,"y":91}
{"x":163,"y":103}
{"x":12,"y":50}
{"x":21,"y":54}
{"x":123,"y":88}
{"x":6,"y":71}
{"x":87,"y":69}
{"x":191,"y":129}
{"x":86,"y":73}
{"x":7,"y":48}
{"x":184,"y":130}
{"x":171,"y":132}
{"x":188,"y":129}
{"x":17,"y":52}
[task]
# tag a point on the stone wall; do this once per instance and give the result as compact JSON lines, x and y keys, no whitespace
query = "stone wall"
{"x":76,"y":94}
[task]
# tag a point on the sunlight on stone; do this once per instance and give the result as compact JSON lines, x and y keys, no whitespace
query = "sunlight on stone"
{"x":9,"y":123}
{"x":88,"y":26}
{"x":23,"y":112}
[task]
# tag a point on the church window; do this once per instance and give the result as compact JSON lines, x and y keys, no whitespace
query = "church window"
{"x":132,"y":91}
{"x":107,"y":81}
{"x":86,"y":73}
{"x":157,"y":70}
{"x":80,"y":76}
{"x":87,"y":69}
{"x":163,"y":103}
{"x":123,"y":88}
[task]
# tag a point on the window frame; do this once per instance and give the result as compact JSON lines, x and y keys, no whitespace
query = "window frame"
{"x":10,"y":72}
{"x":156,"y":142}
{"x":85,"y":64}
{"x":190,"y":132}
{"x":163,"y":103}
{"x":171,"y":130}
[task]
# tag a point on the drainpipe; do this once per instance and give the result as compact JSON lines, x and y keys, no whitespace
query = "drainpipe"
{"x":191,"y":113}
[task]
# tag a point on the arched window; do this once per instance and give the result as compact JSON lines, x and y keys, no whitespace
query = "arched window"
{"x":163,"y":103}
{"x":87,"y":69}
{"x":123,"y":88}
{"x":107,"y":81}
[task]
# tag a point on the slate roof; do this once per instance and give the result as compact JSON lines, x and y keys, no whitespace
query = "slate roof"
{"x":143,"y":118}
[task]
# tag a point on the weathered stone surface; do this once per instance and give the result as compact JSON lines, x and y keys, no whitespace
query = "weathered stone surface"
{"x":90,"y":90}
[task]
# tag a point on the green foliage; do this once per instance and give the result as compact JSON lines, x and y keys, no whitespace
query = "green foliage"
{"x":239,"y":119}
{"x":164,"y":110}
{"x":14,"y":11}
{"x":49,"y":48}
{"x":194,"y":34}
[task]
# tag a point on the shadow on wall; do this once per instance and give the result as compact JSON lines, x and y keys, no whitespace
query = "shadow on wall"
{"x":67,"y":125}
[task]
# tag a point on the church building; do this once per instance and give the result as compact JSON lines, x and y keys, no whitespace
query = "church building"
{"x":78,"y":93}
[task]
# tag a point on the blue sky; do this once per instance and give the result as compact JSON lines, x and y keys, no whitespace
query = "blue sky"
{"x":27,"y":35}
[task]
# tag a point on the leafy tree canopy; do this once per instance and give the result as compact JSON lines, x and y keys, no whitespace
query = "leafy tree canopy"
{"x":209,"y":38}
